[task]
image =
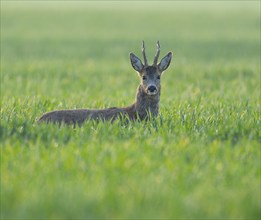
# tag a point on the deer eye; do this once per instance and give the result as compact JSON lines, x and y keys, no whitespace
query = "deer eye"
{"x":158,"y":77}
{"x":144,"y":77}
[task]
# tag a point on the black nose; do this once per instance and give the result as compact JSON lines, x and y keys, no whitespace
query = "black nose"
{"x":152,"y":88}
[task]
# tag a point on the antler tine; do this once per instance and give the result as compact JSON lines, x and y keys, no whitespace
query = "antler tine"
{"x":144,"y":55}
{"x":157,"y":54}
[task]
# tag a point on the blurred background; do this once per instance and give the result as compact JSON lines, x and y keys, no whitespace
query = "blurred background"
{"x":194,"y":30}
{"x":51,"y":48}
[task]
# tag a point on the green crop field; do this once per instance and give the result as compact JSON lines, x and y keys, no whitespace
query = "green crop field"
{"x":200,"y":158}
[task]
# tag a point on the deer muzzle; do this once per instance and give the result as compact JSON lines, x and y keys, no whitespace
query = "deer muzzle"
{"x":152,"y":90}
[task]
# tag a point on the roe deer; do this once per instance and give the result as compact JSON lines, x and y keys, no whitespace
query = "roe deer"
{"x":145,"y":105}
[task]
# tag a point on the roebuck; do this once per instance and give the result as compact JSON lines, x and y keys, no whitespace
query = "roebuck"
{"x":145,"y":105}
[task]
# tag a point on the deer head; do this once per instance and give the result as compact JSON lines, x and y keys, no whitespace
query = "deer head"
{"x":150,"y":74}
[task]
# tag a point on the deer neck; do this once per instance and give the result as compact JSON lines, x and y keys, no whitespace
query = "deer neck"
{"x":146,"y":104}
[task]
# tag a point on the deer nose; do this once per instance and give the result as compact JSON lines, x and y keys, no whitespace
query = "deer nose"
{"x":152,"y":89}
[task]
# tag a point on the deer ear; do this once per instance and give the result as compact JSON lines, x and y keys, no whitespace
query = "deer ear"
{"x":164,"y":63}
{"x":136,"y":62}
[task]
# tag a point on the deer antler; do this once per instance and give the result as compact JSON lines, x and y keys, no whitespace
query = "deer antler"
{"x":157,"y":54}
{"x":144,"y":55}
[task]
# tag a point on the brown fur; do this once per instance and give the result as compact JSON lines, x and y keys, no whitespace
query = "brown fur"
{"x":144,"y":106}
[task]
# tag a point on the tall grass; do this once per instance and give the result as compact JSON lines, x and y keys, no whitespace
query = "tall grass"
{"x":199,"y":159}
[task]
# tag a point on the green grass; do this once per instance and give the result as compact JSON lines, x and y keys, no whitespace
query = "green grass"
{"x":199,"y":159}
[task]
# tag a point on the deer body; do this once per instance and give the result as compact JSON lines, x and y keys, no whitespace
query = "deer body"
{"x":146,"y":103}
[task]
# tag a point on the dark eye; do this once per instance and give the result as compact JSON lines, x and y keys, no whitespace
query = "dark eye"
{"x":158,"y":77}
{"x":144,"y":78}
